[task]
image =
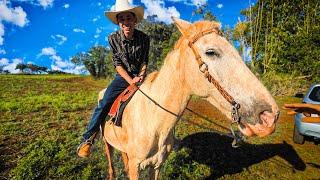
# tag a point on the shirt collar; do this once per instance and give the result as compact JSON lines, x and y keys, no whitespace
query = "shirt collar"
{"x":124,"y":39}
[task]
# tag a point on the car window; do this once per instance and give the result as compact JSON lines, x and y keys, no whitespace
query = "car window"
{"x":315,"y":94}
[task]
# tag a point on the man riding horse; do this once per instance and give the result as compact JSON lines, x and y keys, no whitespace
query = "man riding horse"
{"x":130,"y":48}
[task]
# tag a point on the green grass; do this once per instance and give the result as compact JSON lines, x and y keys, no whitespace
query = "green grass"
{"x":42,"y":119}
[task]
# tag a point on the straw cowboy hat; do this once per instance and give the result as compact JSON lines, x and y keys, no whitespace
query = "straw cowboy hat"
{"x":124,"y":6}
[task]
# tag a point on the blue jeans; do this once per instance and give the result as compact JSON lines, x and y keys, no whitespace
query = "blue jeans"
{"x":101,"y":111}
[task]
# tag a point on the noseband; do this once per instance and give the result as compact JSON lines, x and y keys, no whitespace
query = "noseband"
{"x":203,"y":67}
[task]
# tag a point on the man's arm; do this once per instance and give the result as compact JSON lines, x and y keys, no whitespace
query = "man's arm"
{"x":123,"y":73}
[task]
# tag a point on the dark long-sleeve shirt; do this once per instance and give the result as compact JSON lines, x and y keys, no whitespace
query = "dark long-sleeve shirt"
{"x":130,"y":54}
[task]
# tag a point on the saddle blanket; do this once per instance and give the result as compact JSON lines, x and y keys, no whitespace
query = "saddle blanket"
{"x":120,"y":103}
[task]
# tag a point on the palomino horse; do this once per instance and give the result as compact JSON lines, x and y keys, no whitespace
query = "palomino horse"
{"x":146,"y":137}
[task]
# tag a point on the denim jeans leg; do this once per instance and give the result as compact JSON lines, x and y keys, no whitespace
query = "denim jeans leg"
{"x":117,"y":86}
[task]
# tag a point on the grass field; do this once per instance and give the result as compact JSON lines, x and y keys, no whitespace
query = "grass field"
{"x":42,"y":119}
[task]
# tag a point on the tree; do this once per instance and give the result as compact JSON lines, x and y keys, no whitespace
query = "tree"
{"x":284,"y":36}
{"x":21,"y":67}
{"x":97,"y":61}
{"x":205,"y":12}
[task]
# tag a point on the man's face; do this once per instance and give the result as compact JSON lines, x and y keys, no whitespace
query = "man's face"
{"x":127,"y":22}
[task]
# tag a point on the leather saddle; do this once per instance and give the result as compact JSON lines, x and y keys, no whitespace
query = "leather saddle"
{"x":120,"y":103}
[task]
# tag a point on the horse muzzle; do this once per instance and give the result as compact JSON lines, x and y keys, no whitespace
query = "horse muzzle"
{"x":264,"y":126}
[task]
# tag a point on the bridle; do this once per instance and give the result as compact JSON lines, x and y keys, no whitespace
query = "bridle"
{"x":203,"y":67}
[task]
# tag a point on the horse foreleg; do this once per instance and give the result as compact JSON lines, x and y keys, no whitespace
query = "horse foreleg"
{"x":154,"y":173}
{"x":125,"y":162}
{"x":133,"y":169}
{"x":108,"y":152}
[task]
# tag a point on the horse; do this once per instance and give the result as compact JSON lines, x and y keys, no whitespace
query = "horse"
{"x":202,"y":63}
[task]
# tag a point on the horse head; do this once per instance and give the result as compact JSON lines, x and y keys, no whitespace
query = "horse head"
{"x":204,"y":51}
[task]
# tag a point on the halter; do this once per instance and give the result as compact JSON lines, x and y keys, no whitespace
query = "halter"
{"x":203,"y":67}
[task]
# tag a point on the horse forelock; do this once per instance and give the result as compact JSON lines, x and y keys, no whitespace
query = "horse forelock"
{"x":196,"y":28}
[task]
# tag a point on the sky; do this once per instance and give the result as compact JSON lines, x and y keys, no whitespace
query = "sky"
{"x":50,"y":32}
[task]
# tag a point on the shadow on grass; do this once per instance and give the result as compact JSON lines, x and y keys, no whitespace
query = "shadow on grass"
{"x":215,"y":151}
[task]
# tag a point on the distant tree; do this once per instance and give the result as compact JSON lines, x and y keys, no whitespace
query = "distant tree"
{"x":56,"y":72}
{"x":205,"y":12}
{"x":42,"y":69}
{"x":21,"y":67}
{"x":97,"y":61}
{"x":6,"y":72}
{"x":1,"y":68}
{"x":33,"y":68}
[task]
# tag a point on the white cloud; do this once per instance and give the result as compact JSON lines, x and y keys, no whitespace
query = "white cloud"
{"x":66,"y":6}
{"x":98,"y":30}
{"x":48,"y":51}
{"x":99,"y":3}
{"x":157,"y":7}
{"x":190,"y":2}
{"x":96,"y":18}
{"x":74,"y":69}
{"x":11,"y":67}
{"x":59,"y":64}
{"x":79,"y":30}
{"x":1,"y":33}
{"x":59,"y":38}
{"x":46,"y":3}
{"x":198,"y":2}
{"x":96,"y":36}
{"x":4,"y":61}
{"x":2,"y":51}
{"x":16,"y":16}
{"x":220,"y":6}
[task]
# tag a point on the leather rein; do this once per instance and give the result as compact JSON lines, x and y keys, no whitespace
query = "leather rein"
{"x":203,"y":67}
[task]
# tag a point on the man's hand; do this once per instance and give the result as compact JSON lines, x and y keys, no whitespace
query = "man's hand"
{"x":136,"y":80}
{"x":302,"y":107}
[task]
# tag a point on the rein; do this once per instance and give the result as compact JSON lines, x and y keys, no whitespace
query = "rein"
{"x":237,"y":138}
{"x":203,"y":67}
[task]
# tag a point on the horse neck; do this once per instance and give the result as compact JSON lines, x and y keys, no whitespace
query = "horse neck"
{"x":169,"y":88}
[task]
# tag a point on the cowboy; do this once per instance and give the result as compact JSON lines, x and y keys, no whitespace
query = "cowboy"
{"x":130,"y":49}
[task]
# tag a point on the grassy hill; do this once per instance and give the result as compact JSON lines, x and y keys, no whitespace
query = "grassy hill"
{"x":42,"y":119}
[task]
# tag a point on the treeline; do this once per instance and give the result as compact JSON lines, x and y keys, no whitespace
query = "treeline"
{"x":283,"y":36}
{"x":34,"y":69}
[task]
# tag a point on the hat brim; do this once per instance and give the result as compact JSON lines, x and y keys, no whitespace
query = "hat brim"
{"x":138,"y":11}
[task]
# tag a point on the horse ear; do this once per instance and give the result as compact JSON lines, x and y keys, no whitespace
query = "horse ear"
{"x":181,"y":24}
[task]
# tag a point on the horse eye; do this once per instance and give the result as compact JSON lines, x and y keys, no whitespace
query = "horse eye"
{"x":212,"y":52}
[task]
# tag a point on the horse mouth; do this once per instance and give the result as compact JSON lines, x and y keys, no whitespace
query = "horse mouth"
{"x":262,"y":128}
{"x":256,"y":130}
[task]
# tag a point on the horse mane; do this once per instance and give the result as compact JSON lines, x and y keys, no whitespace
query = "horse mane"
{"x":151,"y":77}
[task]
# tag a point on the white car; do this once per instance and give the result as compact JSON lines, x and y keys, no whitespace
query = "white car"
{"x":303,"y":129}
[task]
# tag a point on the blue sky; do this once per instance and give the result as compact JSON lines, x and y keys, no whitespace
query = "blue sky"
{"x":49,"y":32}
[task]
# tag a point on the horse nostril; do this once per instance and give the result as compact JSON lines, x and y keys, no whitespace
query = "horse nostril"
{"x":268,"y":118}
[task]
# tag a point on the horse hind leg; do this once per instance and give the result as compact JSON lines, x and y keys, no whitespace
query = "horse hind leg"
{"x":108,"y":152}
